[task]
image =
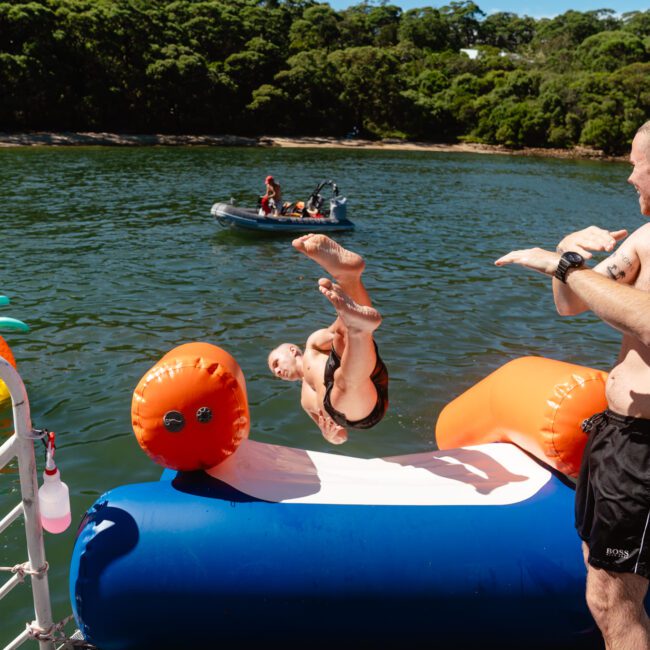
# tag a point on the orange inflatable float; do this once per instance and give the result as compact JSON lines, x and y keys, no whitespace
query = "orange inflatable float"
{"x":536,"y":403}
{"x":190,"y":411}
{"x":5,"y":353}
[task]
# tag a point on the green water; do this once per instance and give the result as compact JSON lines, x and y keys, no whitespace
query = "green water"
{"x":112,"y":257}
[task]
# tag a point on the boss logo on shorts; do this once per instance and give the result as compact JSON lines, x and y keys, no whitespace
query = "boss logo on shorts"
{"x":617,"y":552}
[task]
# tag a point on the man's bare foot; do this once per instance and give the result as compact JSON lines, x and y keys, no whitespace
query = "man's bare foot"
{"x":356,"y":317}
{"x":336,"y":260}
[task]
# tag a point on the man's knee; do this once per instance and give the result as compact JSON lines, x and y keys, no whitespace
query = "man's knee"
{"x":615,"y":598}
{"x":599,"y":596}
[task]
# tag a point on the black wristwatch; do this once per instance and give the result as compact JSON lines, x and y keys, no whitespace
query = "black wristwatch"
{"x":569,"y":260}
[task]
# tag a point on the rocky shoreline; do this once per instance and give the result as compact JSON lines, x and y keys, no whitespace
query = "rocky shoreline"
{"x":44,"y":138}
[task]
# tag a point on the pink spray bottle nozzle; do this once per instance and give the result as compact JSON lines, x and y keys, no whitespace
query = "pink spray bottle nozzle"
{"x":50,"y":465}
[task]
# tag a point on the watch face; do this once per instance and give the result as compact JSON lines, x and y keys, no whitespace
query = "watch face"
{"x":574,"y":258}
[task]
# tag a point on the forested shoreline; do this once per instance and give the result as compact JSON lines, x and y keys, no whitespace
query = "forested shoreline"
{"x":300,"y":68}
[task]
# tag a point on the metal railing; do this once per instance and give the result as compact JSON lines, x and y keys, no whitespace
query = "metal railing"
{"x":21,"y":446}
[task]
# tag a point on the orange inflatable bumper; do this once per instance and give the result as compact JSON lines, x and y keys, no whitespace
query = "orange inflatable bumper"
{"x":533,"y":402}
{"x":190,"y":411}
{"x":5,"y":353}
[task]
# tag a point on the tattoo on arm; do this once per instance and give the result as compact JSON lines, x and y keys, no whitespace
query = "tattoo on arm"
{"x":627,"y":261}
{"x":614,"y":272}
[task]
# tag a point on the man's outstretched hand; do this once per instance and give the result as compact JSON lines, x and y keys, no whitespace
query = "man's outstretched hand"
{"x":591,"y":239}
{"x":536,"y":259}
{"x":582,"y":241}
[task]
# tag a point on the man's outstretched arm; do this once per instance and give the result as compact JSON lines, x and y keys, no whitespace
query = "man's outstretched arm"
{"x":623,"y":307}
{"x":331,"y":431}
{"x":321,"y":340}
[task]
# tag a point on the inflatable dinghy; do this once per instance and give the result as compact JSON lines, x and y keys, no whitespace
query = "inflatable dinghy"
{"x":313,"y":216}
{"x":228,"y":215}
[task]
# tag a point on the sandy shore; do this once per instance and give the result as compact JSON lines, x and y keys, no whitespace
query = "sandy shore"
{"x":42,"y":138}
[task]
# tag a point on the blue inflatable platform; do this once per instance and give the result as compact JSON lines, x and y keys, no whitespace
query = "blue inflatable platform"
{"x":468,"y":548}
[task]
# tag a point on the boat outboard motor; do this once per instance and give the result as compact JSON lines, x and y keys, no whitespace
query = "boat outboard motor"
{"x":338,"y":208}
{"x":315,"y":201}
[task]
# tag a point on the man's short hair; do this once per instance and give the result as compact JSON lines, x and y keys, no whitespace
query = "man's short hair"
{"x":644,"y":128}
{"x":282,"y":345}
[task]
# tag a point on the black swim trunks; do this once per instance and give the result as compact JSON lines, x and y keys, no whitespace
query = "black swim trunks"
{"x":613,"y":493}
{"x":379,"y":378}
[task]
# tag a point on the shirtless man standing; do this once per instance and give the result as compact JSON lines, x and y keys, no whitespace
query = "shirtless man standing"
{"x":613,"y":490}
{"x":344,"y":381}
{"x":273,"y":193}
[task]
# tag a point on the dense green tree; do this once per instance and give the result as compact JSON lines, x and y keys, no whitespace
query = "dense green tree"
{"x":303,"y":99}
{"x":637,"y":22}
{"x":216,"y":29}
{"x":463,"y":19}
{"x":573,"y":27}
{"x":318,"y":27}
{"x":353,"y":28}
{"x":366,"y":24}
{"x":383,"y":23}
{"x":506,"y":31}
{"x":602,"y":132}
{"x":370,"y":87}
{"x":426,"y":28}
{"x":633,"y":81}
{"x":176,"y":67}
{"x":514,"y":123}
{"x":607,"y":51}
{"x":300,"y":67}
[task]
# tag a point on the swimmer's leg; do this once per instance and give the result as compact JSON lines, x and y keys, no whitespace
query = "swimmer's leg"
{"x":343,"y":265}
{"x":353,"y":393}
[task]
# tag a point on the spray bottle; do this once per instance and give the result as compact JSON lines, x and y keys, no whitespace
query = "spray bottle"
{"x":53,"y":496}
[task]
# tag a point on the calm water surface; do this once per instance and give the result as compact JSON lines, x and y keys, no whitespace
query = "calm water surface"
{"x":112,"y":257}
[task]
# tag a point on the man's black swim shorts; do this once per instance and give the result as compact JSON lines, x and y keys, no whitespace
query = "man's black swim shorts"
{"x":379,"y":378}
{"x":613,"y":493}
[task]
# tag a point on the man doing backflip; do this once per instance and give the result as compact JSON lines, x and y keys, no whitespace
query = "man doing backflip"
{"x":344,"y":381}
{"x":613,"y":490}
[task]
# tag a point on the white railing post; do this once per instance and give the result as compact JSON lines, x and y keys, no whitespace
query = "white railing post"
{"x":24,"y":450}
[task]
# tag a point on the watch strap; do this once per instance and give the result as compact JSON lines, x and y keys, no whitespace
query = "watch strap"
{"x":564,"y":265}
